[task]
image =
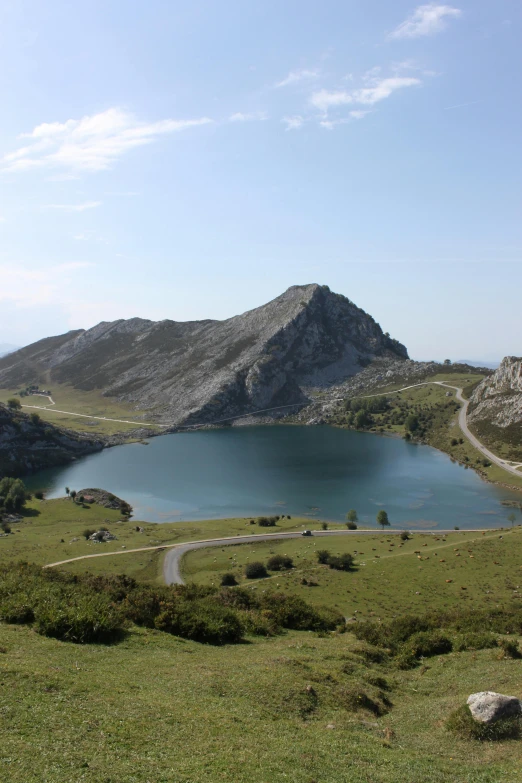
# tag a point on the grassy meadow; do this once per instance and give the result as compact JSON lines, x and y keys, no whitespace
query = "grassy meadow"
{"x":155,"y":708}
{"x":390,"y":577}
{"x":300,"y":706}
{"x":91,"y":403}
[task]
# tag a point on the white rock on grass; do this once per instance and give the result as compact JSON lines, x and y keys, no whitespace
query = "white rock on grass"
{"x":488,"y":707}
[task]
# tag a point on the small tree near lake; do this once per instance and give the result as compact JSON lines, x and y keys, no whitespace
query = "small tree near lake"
{"x":382,"y":519}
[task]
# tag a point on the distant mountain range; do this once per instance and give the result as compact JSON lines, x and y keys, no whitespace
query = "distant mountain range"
{"x":204,"y":371}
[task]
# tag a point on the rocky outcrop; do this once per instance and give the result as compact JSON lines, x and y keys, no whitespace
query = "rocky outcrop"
{"x":28,"y":443}
{"x":488,"y":707}
{"x":206,"y":371}
{"x":498,"y":399}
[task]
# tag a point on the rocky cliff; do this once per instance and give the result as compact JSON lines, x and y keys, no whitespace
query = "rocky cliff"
{"x":498,"y":398}
{"x":495,"y":409}
{"x":203,"y":371}
{"x":27,"y":443}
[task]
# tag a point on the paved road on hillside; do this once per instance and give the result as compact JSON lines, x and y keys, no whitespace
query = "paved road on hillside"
{"x":172,"y":562}
{"x":87,"y":416}
{"x":171,"y":565}
{"x":511,"y":467}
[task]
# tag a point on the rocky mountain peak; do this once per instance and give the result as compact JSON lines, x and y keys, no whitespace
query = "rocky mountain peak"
{"x":308,"y":337}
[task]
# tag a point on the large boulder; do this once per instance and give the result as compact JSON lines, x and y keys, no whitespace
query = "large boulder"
{"x":488,"y":707}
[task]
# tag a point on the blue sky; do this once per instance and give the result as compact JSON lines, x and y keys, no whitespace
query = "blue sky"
{"x":192,"y":160}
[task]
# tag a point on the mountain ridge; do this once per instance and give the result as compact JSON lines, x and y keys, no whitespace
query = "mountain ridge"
{"x":200,"y":371}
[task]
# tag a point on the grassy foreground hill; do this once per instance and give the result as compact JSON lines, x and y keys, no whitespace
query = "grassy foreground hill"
{"x":300,"y":706}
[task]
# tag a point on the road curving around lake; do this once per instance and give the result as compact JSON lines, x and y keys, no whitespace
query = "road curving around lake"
{"x":176,"y":552}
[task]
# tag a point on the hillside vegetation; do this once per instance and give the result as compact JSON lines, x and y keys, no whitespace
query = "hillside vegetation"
{"x":112,"y":678}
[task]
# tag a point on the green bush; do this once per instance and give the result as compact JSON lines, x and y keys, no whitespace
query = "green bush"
{"x":425,"y":644}
{"x":509,"y":648}
{"x":341,"y":562}
{"x":404,"y":536}
{"x":462,"y":723}
{"x":475,"y":641}
{"x":86,"y":608}
{"x":256,"y":570}
{"x":323,"y":556}
{"x":351,"y":526}
{"x":279,"y":563}
{"x":202,"y":621}
{"x":267,"y":521}
{"x":85,"y":620}
{"x":228,"y":580}
{"x":289,"y":611}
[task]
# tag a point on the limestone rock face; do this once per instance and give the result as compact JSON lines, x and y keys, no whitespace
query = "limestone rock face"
{"x":488,"y":707}
{"x":205,"y":371}
{"x":498,"y":399}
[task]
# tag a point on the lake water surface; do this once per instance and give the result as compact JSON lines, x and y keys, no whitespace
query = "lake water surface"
{"x":321,"y":472}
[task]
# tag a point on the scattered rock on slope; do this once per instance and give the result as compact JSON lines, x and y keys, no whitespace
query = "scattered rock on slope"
{"x":488,"y":707}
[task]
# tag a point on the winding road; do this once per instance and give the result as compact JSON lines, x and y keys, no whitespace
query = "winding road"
{"x":511,"y":467}
{"x":176,"y":552}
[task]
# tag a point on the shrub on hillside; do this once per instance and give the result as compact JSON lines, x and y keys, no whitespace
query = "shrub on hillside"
{"x":323,"y":556}
{"x":228,"y":580}
{"x":341,"y":562}
{"x":87,"y":619}
{"x":509,"y":648}
{"x":267,"y":521}
{"x":425,"y":644}
{"x":475,"y":641}
{"x":13,"y":494}
{"x":202,"y":620}
{"x":256,"y":570}
{"x":289,"y":611}
{"x":462,"y":723}
{"x":279,"y":563}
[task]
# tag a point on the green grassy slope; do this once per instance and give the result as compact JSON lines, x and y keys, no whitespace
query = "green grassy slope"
{"x":38,"y":537}
{"x":157,"y":708}
{"x":92,"y":403}
{"x":390,"y":578}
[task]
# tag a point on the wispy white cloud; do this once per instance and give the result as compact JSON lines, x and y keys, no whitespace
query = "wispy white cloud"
{"x":378,"y":90}
{"x":74,"y":207}
{"x":326,"y":99}
{"x":248,"y":117}
{"x":294,"y":77}
{"x":93,"y":143}
{"x":359,"y":114}
{"x":293,"y":123}
{"x":383,"y":88}
{"x":426,"y":20}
